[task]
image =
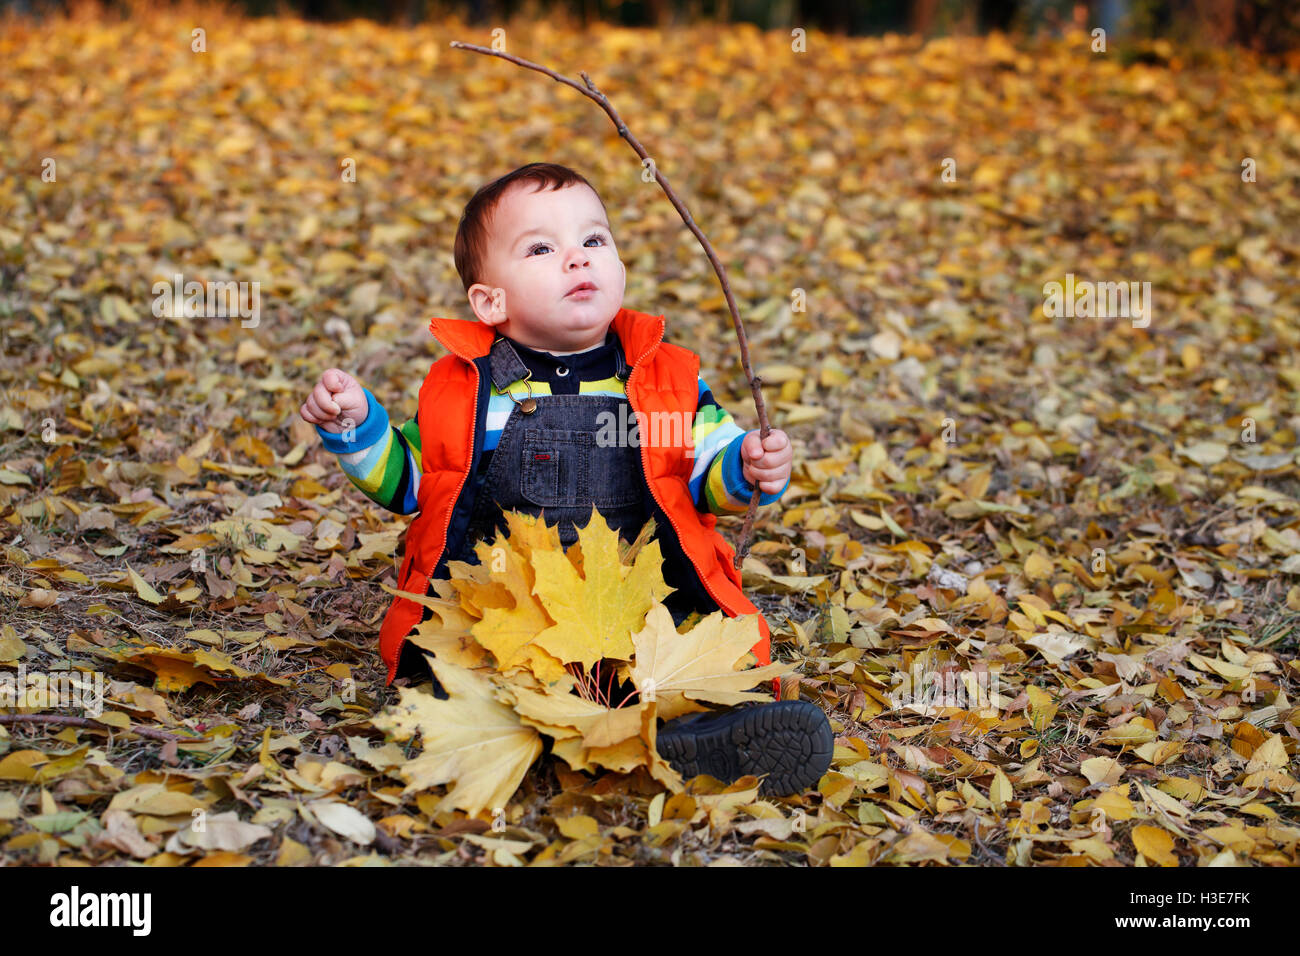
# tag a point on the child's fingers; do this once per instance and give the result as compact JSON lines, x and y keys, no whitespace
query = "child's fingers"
{"x":335,"y":380}
{"x":314,"y":409}
{"x":767,"y":485}
{"x":324,"y":401}
{"x":311,"y":413}
{"x":765,"y":474}
{"x":772,"y":459}
{"x":768,"y":465}
{"x":776,"y":440}
{"x":775,"y":458}
{"x":755,"y":448}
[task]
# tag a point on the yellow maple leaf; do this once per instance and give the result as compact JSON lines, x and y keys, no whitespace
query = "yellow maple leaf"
{"x":469,"y":739}
{"x":510,"y":630}
{"x":677,"y":670}
{"x":659,"y":768}
{"x":622,"y":757}
{"x":475,"y":586}
{"x":529,"y":533}
{"x":450,"y":644}
{"x":473,"y":592}
{"x":597,"y":607}
{"x":479,"y":585}
{"x":567,"y":715}
{"x":627,"y":551}
{"x":447,"y":635}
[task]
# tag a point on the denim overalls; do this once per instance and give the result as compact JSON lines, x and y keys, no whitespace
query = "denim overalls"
{"x":548,"y":462}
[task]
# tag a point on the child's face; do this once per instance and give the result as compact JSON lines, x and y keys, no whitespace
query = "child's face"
{"x":542,"y":243}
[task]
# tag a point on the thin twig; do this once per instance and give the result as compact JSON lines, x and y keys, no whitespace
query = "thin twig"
{"x":602,"y":100}
{"x":94,"y":724}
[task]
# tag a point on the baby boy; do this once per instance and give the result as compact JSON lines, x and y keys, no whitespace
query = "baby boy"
{"x":557,"y":398}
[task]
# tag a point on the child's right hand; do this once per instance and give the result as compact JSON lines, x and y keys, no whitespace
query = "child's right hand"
{"x":337,"y":403}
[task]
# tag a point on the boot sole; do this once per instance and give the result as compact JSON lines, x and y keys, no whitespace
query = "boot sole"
{"x":788,"y":744}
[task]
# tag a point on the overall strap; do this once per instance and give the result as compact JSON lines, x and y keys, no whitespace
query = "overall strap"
{"x":505,"y":363}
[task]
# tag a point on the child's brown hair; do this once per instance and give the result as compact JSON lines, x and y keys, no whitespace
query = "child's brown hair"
{"x":470,"y":248}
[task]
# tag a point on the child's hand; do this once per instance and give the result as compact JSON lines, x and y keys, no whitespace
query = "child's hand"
{"x":766,"y":463}
{"x":337,"y":403}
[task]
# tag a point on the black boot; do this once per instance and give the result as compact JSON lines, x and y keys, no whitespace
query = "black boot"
{"x":788,"y":743}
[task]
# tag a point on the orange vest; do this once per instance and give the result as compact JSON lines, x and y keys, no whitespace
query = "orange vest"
{"x":663,"y":378}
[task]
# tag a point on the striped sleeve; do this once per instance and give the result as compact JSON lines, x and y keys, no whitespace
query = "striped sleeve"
{"x":381,"y":459}
{"x":718,"y":482}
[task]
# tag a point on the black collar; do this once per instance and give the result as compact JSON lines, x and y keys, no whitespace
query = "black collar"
{"x":507,"y":366}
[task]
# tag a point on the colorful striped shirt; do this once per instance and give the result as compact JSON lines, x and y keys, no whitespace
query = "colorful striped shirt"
{"x":383,"y":460}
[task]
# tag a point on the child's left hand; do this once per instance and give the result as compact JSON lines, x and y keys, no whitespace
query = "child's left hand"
{"x":766,"y":463}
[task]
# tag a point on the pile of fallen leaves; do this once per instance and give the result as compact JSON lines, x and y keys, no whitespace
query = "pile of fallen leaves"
{"x":1040,"y":571}
{"x":518,"y":642}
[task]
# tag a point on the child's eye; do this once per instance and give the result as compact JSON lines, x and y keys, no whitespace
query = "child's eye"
{"x":546,"y":245}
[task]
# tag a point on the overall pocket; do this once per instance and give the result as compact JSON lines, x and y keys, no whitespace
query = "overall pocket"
{"x":554,"y":467}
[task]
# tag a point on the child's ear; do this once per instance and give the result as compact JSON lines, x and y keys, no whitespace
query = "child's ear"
{"x":489,"y":304}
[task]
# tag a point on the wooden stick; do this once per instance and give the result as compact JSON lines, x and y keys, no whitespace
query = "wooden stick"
{"x":754,"y":381}
{"x":96,"y":725}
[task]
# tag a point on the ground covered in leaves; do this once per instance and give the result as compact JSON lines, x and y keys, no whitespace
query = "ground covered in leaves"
{"x":1040,"y":571}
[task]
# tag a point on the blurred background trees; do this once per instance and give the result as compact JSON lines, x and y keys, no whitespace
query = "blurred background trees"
{"x":1263,"y":25}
